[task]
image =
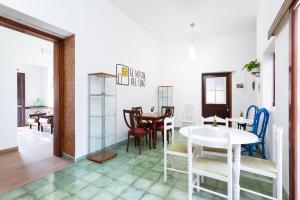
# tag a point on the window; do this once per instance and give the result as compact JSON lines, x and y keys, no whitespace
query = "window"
{"x":216,"y":90}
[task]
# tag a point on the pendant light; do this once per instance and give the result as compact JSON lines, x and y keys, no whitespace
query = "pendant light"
{"x":192,"y":51}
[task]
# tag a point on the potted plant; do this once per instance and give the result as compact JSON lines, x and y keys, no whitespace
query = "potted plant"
{"x":241,"y":113}
{"x":152,"y":109}
{"x":214,"y":124}
{"x":253,"y":67}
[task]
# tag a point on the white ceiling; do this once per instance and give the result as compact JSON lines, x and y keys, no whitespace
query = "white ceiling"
{"x":169,"y":20}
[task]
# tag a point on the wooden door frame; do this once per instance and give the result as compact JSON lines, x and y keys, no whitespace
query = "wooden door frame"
{"x":293,"y":106}
{"x":59,"y":78}
{"x":230,"y":88}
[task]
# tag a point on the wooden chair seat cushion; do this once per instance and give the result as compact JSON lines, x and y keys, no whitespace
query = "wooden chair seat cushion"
{"x":257,"y":164}
{"x":212,"y":165}
{"x":137,"y":132}
{"x":215,"y":150}
{"x":181,"y":148}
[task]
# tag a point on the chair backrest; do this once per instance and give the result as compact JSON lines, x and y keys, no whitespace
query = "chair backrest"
{"x":167,"y":111}
{"x":138,"y":108}
{"x":131,"y":118}
{"x":277,"y":146}
{"x":260,"y":123}
{"x":201,"y":136}
{"x":251,"y":112}
{"x":219,"y":120}
{"x":168,"y":126}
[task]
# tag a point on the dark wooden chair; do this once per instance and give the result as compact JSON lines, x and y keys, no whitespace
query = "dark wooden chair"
{"x":144,"y":124}
{"x":135,"y":128}
{"x":168,"y":111}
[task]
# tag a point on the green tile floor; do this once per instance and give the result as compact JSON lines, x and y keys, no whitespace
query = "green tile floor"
{"x":129,"y":176}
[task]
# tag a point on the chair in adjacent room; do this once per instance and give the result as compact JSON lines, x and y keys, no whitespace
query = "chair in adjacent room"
{"x":135,"y":128}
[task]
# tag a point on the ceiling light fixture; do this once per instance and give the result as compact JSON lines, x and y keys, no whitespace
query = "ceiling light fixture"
{"x":192,"y":50}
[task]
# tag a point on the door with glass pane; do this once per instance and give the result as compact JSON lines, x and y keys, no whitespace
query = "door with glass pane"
{"x":216,"y":95}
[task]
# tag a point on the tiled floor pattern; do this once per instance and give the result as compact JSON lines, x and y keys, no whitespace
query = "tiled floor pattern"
{"x":129,"y":177}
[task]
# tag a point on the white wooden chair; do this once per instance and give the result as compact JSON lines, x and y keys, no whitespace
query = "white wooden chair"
{"x":213,"y":151}
{"x":268,"y":168}
{"x":216,"y":168}
{"x":172,"y":149}
{"x":188,"y":115}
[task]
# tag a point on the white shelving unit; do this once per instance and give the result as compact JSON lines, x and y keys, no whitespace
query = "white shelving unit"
{"x":102,"y":116}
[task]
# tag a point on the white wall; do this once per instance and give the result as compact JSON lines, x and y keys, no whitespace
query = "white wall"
{"x":104,"y":37}
{"x":37,"y":84}
{"x":280,"y":115}
{"x":227,"y":53}
{"x":18,"y":50}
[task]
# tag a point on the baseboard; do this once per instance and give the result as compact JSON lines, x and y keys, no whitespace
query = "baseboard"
{"x":68,"y":157}
{"x":8,"y":150}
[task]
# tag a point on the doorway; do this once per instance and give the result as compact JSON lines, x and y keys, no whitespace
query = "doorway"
{"x":216,"y":94}
{"x":21,"y":99}
{"x":14,"y":166}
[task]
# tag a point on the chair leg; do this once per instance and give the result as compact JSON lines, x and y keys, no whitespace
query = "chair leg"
{"x":139,"y":142}
{"x":263,"y":151}
{"x":165,"y":167}
{"x":150,"y":140}
{"x":198,"y":182}
{"x":162,"y":137}
{"x":146,"y":139}
{"x":128,"y":143}
{"x":250,"y":149}
{"x":190,"y":186}
{"x":279,"y":188}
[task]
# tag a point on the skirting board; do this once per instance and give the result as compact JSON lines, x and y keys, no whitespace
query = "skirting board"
{"x":8,"y":150}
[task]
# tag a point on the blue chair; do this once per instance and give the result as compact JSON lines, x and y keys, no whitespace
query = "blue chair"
{"x":259,"y":128}
{"x":249,"y":110}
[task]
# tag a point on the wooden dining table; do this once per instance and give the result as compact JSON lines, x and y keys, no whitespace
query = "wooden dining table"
{"x":153,"y":117}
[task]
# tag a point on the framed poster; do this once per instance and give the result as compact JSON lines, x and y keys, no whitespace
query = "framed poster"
{"x":122,"y":73}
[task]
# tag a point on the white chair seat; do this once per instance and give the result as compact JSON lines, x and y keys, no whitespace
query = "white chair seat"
{"x":32,"y":120}
{"x":258,"y":165}
{"x":211,"y":165}
{"x":44,"y":120}
{"x":215,"y":150}
{"x":180,"y":148}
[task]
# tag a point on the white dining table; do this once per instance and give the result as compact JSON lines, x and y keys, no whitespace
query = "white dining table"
{"x":239,"y":137}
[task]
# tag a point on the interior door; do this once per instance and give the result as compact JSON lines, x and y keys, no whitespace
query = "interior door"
{"x":21,"y":98}
{"x":216,"y":95}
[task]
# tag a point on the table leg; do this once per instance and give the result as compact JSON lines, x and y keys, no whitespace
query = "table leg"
{"x":154,"y":137}
{"x":236,"y":172}
{"x":39,"y":124}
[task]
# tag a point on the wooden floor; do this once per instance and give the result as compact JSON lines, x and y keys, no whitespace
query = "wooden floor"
{"x":33,"y":160}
